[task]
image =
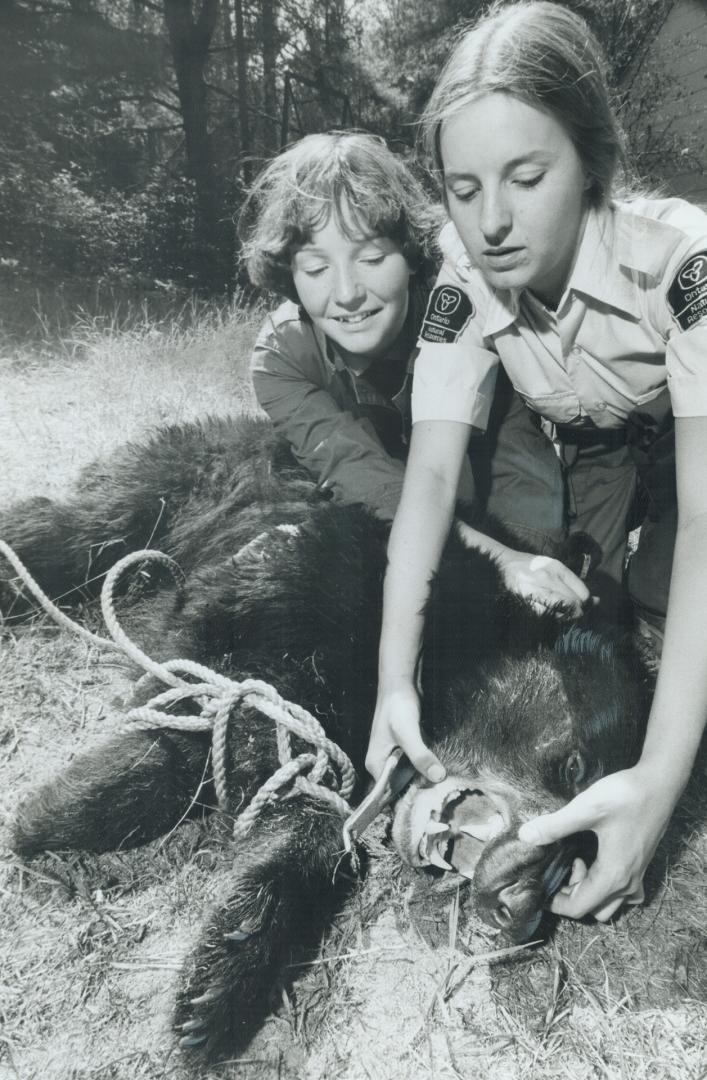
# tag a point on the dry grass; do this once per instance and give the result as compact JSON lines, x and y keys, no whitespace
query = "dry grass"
{"x":75,"y":397}
{"x":407,"y":983}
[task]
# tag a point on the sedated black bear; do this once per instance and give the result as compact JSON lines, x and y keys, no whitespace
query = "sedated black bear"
{"x":283,"y":585}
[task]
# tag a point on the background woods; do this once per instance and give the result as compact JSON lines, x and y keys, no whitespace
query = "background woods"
{"x":129,"y":129}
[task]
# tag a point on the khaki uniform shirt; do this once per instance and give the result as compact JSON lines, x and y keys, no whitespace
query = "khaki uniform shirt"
{"x":632,"y":320}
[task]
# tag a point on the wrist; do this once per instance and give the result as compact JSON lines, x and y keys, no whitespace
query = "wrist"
{"x":397,"y":666}
{"x":472,"y":538}
{"x":392,"y":684}
{"x":503,"y":556}
{"x":663,"y":774}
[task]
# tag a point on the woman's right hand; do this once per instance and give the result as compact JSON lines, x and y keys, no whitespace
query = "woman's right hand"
{"x":543,"y":581}
{"x":396,"y":722}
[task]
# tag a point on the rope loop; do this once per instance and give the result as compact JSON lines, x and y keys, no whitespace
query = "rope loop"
{"x":216,"y":696}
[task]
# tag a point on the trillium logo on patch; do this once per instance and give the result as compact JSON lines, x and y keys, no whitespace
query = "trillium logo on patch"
{"x":693,"y":272}
{"x":447,"y":301}
{"x":448,"y":312}
{"x":687,"y":296}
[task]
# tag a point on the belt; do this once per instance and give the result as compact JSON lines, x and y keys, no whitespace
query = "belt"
{"x":611,"y":438}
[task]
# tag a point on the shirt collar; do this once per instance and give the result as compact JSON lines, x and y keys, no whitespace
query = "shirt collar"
{"x":503,"y":305}
{"x":614,"y":240}
{"x":618,"y":243}
{"x":605,"y":252}
{"x":503,"y":309}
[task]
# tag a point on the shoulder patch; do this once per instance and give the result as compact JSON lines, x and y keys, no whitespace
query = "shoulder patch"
{"x":448,"y":312}
{"x":687,"y":296}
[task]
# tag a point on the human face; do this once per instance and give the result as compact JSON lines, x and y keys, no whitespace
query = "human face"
{"x":355,"y":290}
{"x":515,"y":188}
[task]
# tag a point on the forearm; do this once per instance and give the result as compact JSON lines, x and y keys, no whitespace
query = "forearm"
{"x":630,"y":810}
{"x":418,"y":535}
{"x":544,"y":582}
{"x":677,"y":718}
{"x":416,"y":541}
{"x":342,"y":452}
{"x":421,"y":525}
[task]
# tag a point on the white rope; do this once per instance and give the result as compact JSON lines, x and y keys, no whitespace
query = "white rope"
{"x":216,"y":695}
{"x":51,"y":609}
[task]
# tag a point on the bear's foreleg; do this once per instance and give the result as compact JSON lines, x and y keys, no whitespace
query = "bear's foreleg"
{"x":126,"y":791}
{"x":285,"y":875}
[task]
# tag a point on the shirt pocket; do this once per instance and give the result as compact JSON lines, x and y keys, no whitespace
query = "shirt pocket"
{"x":650,"y":395}
{"x":561,"y":407}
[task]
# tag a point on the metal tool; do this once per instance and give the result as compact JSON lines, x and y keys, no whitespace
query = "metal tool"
{"x":397,"y":773}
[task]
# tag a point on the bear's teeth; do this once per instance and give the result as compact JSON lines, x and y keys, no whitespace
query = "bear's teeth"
{"x":435,"y":827}
{"x":436,"y":859}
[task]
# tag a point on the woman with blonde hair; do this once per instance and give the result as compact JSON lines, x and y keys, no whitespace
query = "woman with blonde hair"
{"x":594,"y":307}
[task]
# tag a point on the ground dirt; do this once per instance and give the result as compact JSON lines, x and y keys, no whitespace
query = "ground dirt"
{"x":407,"y":983}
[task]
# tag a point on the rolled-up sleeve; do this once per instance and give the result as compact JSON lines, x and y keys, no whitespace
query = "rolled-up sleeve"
{"x":454,"y":378}
{"x":454,"y":383}
{"x":686,"y":361}
{"x":683,"y":311}
{"x":341,"y":451}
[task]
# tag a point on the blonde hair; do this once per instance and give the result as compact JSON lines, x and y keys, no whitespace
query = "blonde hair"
{"x":546,"y":56}
{"x":352,"y":175}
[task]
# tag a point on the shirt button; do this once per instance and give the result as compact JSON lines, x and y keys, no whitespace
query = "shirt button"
{"x":575,"y":350}
{"x":600,"y":406}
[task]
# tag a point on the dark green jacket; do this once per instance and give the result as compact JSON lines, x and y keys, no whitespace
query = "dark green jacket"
{"x":346,"y":432}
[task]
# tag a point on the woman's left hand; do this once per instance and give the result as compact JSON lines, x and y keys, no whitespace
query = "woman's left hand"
{"x":544,"y":582}
{"x":629,"y":812}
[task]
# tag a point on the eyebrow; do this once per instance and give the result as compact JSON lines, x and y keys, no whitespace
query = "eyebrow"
{"x":312,"y":249}
{"x":534,"y":157}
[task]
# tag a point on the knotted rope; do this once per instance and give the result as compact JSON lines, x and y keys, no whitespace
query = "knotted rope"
{"x":216,"y":695}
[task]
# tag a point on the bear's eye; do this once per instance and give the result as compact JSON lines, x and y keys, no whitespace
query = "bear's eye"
{"x":575,"y":769}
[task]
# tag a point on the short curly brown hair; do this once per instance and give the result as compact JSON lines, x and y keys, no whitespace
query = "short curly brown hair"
{"x":353,"y":175}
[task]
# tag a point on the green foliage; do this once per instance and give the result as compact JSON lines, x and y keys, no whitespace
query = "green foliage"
{"x":73,"y":151}
{"x":408,"y":42}
{"x":97,"y":177}
{"x":627,"y":29}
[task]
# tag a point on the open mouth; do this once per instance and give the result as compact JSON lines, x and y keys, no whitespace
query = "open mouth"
{"x":446,"y":825}
{"x":355,"y":320}
{"x":467,"y":826}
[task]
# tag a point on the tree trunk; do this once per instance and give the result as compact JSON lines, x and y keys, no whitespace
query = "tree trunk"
{"x":242,"y":74}
{"x":231,"y":71}
{"x":269,"y":52}
{"x":189,"y":41}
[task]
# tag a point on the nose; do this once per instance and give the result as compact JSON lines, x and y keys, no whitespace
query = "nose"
{"x":496,"y":219}
{"x":514,"y":881}
{"x":348,"y":290}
